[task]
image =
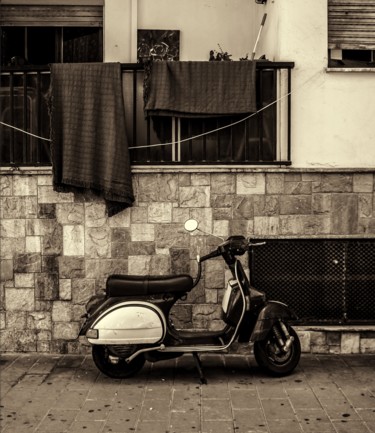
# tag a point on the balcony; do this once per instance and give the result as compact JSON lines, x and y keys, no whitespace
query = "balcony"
{"x":262,"y":138}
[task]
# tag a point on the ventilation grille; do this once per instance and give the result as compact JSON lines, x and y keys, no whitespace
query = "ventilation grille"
{"x":321,"y":280}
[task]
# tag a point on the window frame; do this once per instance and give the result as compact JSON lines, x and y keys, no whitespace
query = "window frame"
{"x":350,"y":31}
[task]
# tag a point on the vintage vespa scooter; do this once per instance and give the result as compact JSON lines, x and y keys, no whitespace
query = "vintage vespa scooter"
{"x":129,"y":323}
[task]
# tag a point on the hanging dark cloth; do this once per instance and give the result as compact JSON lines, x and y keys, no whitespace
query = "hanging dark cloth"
{"x":89,"y":144}
{"x":199,"y":89}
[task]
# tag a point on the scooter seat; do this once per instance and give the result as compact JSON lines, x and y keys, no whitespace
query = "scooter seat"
{"x":127,"y":285}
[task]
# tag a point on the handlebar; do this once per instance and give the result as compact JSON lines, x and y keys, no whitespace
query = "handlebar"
{"x":236,"y":245}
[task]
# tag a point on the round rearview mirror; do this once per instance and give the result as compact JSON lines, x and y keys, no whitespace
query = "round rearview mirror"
{"x":191,"y":225}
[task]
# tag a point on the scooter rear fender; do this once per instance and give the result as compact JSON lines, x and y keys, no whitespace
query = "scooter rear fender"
{"x":269,"y":314}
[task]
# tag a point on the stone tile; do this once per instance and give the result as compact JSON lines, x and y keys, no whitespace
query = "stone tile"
{"x":303,"y":398}
{"x":344,"y":214}
{"x":245,"y":399}
{"x":222,"y":184}
{"x":182,"y":421}
{"x":344,"y":426}
{"x":94,"y":410}
{"x":155,"y":410}
{"x":73,"y":240}
{"x":284,"y":425}
{"x":295,"y":205}
{"x":160,"y":212}
{"x":350,"y":342}
{"x":251,"y":183}
{"x":363,"y":182}
{"x":216,"y":410}
{"x":314,"y":421}
{"x":86,"y":426}
{"x":277,"y":408}
{"x":217,"y":427}
{"x":194,"y":196}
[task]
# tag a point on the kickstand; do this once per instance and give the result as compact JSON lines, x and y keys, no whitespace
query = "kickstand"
{"x":199,"y":368}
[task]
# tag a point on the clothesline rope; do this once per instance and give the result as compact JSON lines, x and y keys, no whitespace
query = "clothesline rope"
{"x":189,"y":138}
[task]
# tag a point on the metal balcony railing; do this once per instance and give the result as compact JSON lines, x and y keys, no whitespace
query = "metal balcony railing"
{"x":262,"y":138}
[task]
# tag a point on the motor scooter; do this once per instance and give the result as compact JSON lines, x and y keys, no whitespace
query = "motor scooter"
{"x":129,"y":323}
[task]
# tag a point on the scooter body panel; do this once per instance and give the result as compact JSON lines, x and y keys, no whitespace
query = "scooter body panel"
{"x":268,"y":315}
{"x":128,"y":322}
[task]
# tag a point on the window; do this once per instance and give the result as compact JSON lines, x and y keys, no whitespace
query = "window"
{"x":261,"y":138}
{"x":32,"y":36}
{"x":351,"y":35}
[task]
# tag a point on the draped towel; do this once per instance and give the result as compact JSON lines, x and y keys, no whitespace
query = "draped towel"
{"x":198,"y":89}
{"x":89,"y":143}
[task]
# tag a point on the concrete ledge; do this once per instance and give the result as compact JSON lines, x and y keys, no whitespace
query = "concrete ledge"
{"x":337,"y":339}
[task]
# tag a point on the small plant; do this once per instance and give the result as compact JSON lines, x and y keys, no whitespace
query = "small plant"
{"x":221,"y":55}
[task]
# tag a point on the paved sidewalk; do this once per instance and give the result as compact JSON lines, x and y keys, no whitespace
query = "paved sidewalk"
{"x":65,"y":393}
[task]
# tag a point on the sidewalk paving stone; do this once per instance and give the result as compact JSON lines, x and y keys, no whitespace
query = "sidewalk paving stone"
{"x":67,"y":394}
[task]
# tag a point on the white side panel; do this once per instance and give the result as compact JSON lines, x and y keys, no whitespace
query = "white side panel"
{"x":130,"y":323}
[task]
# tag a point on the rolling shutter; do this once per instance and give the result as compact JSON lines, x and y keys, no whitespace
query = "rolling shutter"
{"x":52,"y":15}
{"x":351,"y":24}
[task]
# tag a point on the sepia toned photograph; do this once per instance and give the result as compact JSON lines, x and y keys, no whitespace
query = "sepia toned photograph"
{"x":187,"y":216}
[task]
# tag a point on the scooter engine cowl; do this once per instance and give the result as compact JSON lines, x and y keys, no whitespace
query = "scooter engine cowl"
{"x":129,"y":322}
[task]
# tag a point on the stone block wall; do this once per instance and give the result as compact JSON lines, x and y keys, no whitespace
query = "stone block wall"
{"x":58,"y":249}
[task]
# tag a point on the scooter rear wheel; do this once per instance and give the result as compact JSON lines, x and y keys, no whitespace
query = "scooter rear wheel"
{"x":274,"y":362}
{"x":119,"y":370}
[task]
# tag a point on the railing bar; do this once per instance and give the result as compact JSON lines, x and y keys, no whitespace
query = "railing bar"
{"x":148,"y":149}
{"x":204,"y":143}
{"x":218,"y":140}
{"x":135,"y":137}
{"x":260,"y":118}
{"x":247,"y":144}
{"x":190,"y":141}
{"x":39,"y":115}
{"x":289,"y":114}
{"x":25,"y":137}
{"x":231,"y":141}
{"x":12,"y":132}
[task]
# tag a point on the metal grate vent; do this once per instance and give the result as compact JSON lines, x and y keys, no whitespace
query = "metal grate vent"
{"x":322,"y":280}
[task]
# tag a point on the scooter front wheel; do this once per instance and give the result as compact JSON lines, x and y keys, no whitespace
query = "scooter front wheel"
{"x":275,"y":361}
{"x":116,"y":368}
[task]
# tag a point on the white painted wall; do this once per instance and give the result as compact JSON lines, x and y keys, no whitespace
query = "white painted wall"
{"x":332,"y":112}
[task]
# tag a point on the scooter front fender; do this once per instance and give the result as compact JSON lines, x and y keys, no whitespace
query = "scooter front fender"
{"x":269,"y":314}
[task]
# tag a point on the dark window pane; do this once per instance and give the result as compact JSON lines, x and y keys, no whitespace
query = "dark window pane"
{"x":41,"y":45}
{"x":82,"y":45}
{"x":12,"y":45}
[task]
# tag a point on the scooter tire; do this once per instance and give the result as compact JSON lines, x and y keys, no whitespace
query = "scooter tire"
{"x":274,"y":364}
{"x":122,"y":369}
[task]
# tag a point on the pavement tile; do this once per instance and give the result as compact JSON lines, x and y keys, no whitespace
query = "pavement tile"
{"x":94,"y":410}
{"x":245,"y":399}
{"x":217,"y":427}
{"x":70,"y":399}
{"x":277,"y":408}
{"x":152,"y":427}
{"x":367,"y":414}
{"x":371,"y":426}
{"x":315,"y":421}
{"x":250,"y":420}
{"x":57,"y":421}
{"x":155,"y":410}
{"x":86,"y":426}
{"x":215,"y":391}
{"x":183,"y":421}
{"x":271,"y":391}
{"x":350,"y":427}
{"x":303,"y":398}
{"x":216,"y":410}
{"x":284,"y":426}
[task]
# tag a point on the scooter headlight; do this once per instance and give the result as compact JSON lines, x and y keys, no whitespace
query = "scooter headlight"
{"x":92,"y":333}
